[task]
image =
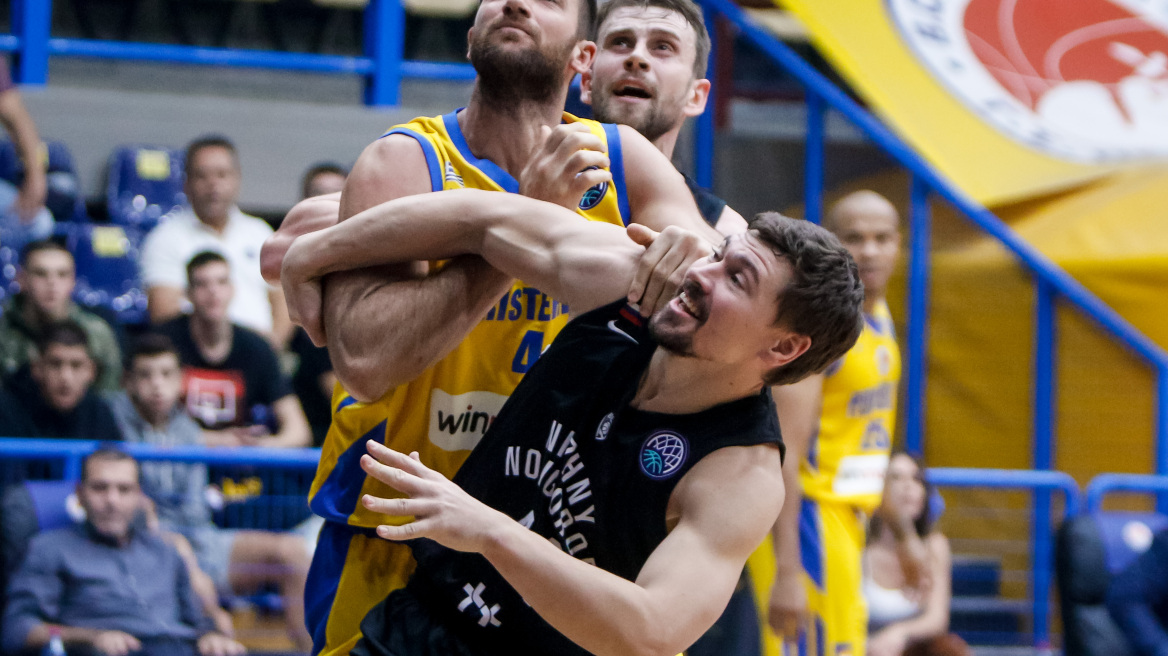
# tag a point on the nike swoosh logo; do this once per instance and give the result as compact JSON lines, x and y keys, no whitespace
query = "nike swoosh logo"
{"x":613,"y":328}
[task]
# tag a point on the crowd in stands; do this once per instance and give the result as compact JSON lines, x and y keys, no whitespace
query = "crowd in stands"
{"x":215,"y":366}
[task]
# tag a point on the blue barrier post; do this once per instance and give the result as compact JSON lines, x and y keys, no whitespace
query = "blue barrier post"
{"x":704,"y":129}
{"x":1044,"y":402}
{"x":30,"y":21}
{"x":1160,"y":412}
{"x":385,"y":22}
{"x":920,"y":234}
{"x":813,"y":160}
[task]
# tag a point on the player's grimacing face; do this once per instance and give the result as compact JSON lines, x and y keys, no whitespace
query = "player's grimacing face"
{"x":726,"y":306}
{"x":643,"y":75}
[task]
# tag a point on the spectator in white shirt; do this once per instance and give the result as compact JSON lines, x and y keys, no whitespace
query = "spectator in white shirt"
{"x":215,"y":223}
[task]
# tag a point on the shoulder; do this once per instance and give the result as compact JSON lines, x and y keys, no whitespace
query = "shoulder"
{"x":740,"y":486}
{"x":50,"y":545}
{"x":254,"y":226}
{"x":938,"y":546}
{"x":390,"y":167}
{"x":252,"y":343}
{"x":94,"y":325}
{"x":161,"y":235}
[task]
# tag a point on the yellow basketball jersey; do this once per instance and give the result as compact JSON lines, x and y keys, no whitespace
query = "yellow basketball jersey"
{"x":444,"y":412}
{"x":846,"y":459}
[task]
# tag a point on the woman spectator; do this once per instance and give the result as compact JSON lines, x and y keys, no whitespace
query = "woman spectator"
{"x":907,"y":570}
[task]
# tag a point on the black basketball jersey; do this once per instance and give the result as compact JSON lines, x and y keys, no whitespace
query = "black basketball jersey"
{"x":709,"y":205}
{"x":570,"y":459}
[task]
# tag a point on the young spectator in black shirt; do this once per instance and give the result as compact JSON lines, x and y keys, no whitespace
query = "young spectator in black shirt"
{"x":232,"y":379}
{"x":57,"y":399}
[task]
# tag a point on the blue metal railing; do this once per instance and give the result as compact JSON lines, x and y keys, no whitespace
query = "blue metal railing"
{"x":382,"y":65}
{"x":1105,"y":484}
{"x":1052,"y":282}
{"x":1042,"y":483}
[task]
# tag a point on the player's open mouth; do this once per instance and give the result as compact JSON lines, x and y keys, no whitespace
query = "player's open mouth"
{"x":688,"y":305}
{"x":629,"y":91}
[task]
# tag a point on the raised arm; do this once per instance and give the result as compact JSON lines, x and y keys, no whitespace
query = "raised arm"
{"x":430,"y":314}
{"x":724,"y":506}
{"x":583,"y":263}
{"x":798,"y":406}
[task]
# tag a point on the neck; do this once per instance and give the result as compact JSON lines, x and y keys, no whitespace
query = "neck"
{"x":216,"y":223}
{"x":210,"y":334}
{"x":675,"y":385}
{"x":872,"y":301}
{"x":157,"y":422}
{"x":668,"y":141}
{"x":507,"y":133}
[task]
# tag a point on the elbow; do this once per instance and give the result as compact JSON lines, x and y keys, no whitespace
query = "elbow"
{"x":359,"y":380}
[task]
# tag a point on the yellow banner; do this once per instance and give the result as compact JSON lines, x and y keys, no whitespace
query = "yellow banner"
{"x":1008,"y":98}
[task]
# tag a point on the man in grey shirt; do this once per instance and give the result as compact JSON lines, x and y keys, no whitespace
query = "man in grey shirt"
{"x":106,"y":586}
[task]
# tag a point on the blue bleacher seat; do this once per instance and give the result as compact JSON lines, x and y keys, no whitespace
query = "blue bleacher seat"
{"x":1091,"y":550}
{"x":145,"y":183}
{"x":64,"y":197}
{"x":25,"y":510}
{"x":107,"y":270}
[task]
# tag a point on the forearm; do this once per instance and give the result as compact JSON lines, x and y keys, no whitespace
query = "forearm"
{"x":785,"y":535}
{"x":294,"y":430}
{"x":23,"y":131}
{"x":599,"y":611}
{"x":382,"y":334}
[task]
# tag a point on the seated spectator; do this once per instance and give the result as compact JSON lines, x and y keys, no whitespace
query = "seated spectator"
{"x":213,"y":223}
{"x":107,"y":586}
{"x":1137,"y":600}
{"x":238,"y":562}
{"x":907,"y":570}
{"x":46,"y":278}
{"x":323,"y":178}
{"x":23,"y":215}
{"x":57,"y":399}
{"x":232,"y":379}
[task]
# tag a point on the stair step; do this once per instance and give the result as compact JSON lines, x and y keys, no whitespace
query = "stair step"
{"x":976,"y":576}
{"x":989,"y":620}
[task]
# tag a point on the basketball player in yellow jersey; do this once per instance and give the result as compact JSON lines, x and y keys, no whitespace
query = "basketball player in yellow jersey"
{"x":838,"y":427}
{"x":431,"y":377}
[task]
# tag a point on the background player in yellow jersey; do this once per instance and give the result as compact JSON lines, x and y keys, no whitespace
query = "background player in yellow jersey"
{"x":838,"y":428}
{"x":526,"y":53}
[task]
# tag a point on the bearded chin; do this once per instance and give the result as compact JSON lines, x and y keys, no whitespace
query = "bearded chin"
{"x":670,"y":337}
{"x":507,"y":78}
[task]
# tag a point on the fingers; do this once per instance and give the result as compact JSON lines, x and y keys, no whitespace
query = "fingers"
{"x":400,"y":507}
{"x":663,"y":280}
{"x":397,"y":459}
{"x":413,"y":530}
{"x":398,"y":479}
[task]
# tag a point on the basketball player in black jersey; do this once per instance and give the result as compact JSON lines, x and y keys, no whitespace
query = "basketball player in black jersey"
{"x":613,"y":502}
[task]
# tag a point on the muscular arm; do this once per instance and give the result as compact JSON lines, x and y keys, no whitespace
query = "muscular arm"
{"x":584,"y":263}
{"x":724,"y":506}
{"x":798,"y":406}
{"x":429,"y":315}
{"x":23,"y":132}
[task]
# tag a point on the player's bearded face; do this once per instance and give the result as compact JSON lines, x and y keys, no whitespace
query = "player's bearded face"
{"x":509,"y":73}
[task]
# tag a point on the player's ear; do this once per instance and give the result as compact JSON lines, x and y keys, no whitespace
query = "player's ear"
{"x":586,"y":87}
{"x":582,"y":56}
{"x":786,"y":348}
{"x":699,"y":93}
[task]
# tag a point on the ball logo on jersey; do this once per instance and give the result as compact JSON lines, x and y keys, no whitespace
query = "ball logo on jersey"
{"x":593,"y":196}
{"x":1084,"y":81}
{"x":663,"y":454}
{"x":604,"y":427}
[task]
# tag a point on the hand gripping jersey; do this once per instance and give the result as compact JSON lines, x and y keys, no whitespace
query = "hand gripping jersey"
{"x":847,"y":457}
{"x":444,"y":412}
{"x":571,"y":460}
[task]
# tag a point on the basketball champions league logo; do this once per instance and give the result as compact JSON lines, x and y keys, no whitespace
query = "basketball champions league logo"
{"x":663,"y":454}
{"x":1079,"y":80}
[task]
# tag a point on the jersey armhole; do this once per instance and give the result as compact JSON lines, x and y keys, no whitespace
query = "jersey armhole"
{"x":436,"y":182}
{"x":616,"y":160}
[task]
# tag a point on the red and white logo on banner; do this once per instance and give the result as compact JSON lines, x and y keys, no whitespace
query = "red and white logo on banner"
{"x":1081,"y":80}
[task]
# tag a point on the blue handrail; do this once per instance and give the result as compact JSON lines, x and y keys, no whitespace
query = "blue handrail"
{"x":1104,"y":484}
{"x":1042,"y":483}
{"x":1053,"y":280}
{"x":73,"y":452}
{"x":382,"y":64}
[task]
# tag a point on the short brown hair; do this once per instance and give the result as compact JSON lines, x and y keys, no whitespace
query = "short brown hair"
{"x":200,"y":260}
{"x":824,"y":299}
{"x":108,"y":453}
{"x":690,"y":11}
{"x":208,"y":141}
